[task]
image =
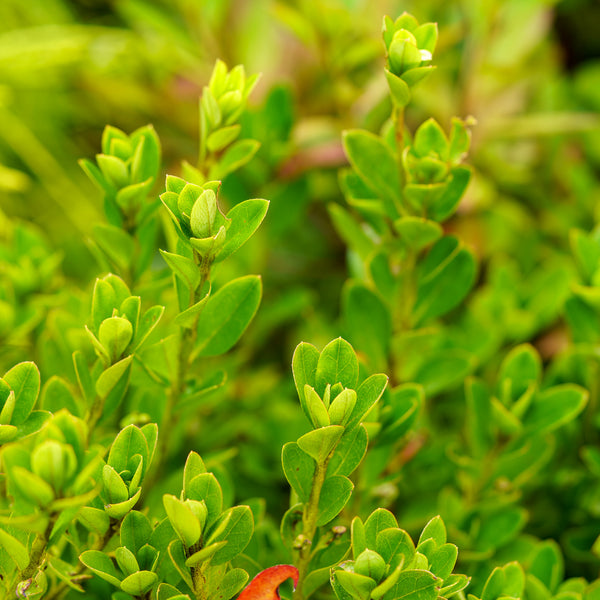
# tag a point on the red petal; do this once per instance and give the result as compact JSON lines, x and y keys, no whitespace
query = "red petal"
{"x":264,"y":586}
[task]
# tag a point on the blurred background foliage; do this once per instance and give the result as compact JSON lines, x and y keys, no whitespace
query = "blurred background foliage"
{"x":527,"y":70}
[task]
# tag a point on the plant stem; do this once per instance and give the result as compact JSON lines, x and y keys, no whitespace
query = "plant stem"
{"x":187,"y":339}
{"x":311,"y":512}
{"x":38,"y":551}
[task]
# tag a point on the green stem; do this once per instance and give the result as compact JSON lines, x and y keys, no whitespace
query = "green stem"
{"x":311,"y":512}
{"x":38,"y":551}
{"x":187,"y":340}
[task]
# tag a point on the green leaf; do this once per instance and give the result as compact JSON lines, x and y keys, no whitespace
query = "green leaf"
{"x":126,"y":560}
{"x":32,"y":486}
{"x":547,"y":564}
{"x":236,"y":526}
{"x":368,"y":323}
{"x":494,"y":586}
{"x":94,"y":519}
{"x":426,"y":36}
{"x":514,"y":579}
{"x":395,"y":546}
{"x":479,"y":416}
{"x":221,"y":138}
{"x":298,"y":468}
{"x":500,"y":528}
{"x":205,"y":487}
{"x":417,"y":232}
{"x":184,"y":267}
{"x":146,"y":160}
{"x":586,"y":251}
{"x":367,"y":395}
{"x":114,"y":379}
{"x":337,"y":364}
{"x":147,"y":324}
{"x":443,"y":560}
{"x":316,"y":409}
{"x":189,"y":316}
{"x":24,"y":380}
{"x":399,"y":89}
{"x":435,"y":530}
{"x":114,"y":170}
{"x":371,"y":564}
{"x":135,"y":531}
{"x":430,"y":138}
{"x":102,"y":565}
{"x":114,"y":485}
{"x":96,"y":176}
{"x":521,"y":367}
{"x":15,"y":549}
{"x":116,"y":244}
{"x":304,"y":368}
{"x":460,"y":140}
{"x":454,"y":584}
{"x":350,"y":231}
{"x":235,"y":157}
{"x":444,"y":279}
{"x":177,"y":553}
{"x":378,"y":520}
{"x":414,"y":585}
{"x":168,"y":592}
{"x":129,"y":442}
{"x":358,"y":586}
{"x":335,"y":493}
{"x":349,"y":452}
{"x":245,"y":218}
{"x":182,"y":519}
{"x":140,"y":583}
{"x":232,"y":583}
{"x":227,"y":314}
{"x":555,"y":407}
{"x":115,"y":334}
{"x":374,"y":161}
{"x":203,"y":213}
{"x":320,"y":443}
{"x":194,"y":465}
{"x":447,"y":203}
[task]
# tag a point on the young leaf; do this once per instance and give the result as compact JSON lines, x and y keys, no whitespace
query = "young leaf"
{"x":435,"y":530}
{"x":102,"y":565}
{"x":445,"y":277}
{"x":15,"y":549}
{"x":139,"y":583}
{"x":304,"y":368}
{"x":337,"y":364}
{"x":236,"y":526}
{"x":235,"y":158}
{"x":368,"y":322}
{"x":245,"y":219}
{"x":378,"y":520}
{"x":415,"y":585}
{"x":349,"y":452}
{"x":335,"y":493}
{"x":555,"y":407}
{"x":373,"y":160}
{"x":24,"y":380}
{"x":227,"y":314}
{"x":298,"y":468}
{"x":319,"y":443}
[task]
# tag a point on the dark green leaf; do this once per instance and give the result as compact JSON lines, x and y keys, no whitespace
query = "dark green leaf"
{"x":227,"y":314}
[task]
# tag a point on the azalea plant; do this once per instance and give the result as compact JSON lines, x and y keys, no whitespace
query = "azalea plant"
{"x":410,"y":411}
